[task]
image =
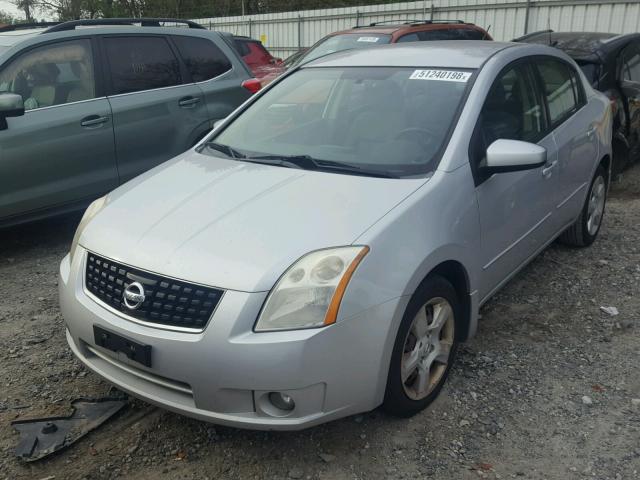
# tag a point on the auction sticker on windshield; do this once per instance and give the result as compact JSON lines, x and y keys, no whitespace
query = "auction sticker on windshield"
{"x":441,"y":75}
{"x":368,"y":39}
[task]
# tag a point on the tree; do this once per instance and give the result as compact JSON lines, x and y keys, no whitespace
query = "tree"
{"x":5,"y":18}
{"x":28,"y":7}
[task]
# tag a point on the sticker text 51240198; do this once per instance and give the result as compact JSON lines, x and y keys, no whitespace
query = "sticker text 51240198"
{"x":441,"y":75}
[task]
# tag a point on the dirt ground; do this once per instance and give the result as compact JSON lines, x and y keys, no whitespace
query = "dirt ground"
{"x":548,"y":389}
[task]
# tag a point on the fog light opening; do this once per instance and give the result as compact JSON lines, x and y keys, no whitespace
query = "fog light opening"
{"x":282,"y":401}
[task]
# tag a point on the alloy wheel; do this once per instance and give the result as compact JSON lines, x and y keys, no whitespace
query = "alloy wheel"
{"x":596,"y":205}
{"x":427,"y":348}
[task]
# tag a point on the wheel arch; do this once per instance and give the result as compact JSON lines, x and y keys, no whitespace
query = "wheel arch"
{"x":607,"y":164}
{"x":455,"y":273}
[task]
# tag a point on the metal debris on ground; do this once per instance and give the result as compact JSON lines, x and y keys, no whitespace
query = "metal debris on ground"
{"x":613,"y":311}
{"x":40,"y":437}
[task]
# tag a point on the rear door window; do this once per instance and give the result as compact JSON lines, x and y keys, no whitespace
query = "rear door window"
{"x":141,"y":63}
{"x":559,"y":89}
{"x":203,"y":58}
{"x":631,"y":64}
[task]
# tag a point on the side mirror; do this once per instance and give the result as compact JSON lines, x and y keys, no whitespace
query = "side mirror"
{"x":513,"y":156}
{"x":11,"y":105}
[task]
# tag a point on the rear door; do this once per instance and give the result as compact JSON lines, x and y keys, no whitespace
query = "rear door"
{"x":61,"y":151}
{"x":158,"y":112}
{"x":572,"y":120}
{"x":630,"y":83}
{"x":218,"y":72}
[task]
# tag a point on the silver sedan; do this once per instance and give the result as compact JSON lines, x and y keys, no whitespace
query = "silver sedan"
{"x":326,"y":249}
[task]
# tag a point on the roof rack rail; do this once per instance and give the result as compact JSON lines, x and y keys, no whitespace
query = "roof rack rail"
{"x":26,"y":26}
{"x":414,"y":22}
{"x":144,"y":22}
{"x":532,"y":34}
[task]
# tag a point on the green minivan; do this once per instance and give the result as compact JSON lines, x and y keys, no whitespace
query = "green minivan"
{"x":89,"y":104}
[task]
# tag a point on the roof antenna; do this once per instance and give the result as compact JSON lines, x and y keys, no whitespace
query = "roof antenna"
{"x":549,"y":28}
{"x":486,"y":32}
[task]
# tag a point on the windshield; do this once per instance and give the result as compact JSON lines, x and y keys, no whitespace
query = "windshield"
{"x":381,"y":119}
{"x":346,"y":41}
{"x":3,"y":48}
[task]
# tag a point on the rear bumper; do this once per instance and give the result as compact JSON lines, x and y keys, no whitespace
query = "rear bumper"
{"x":224,"y":374}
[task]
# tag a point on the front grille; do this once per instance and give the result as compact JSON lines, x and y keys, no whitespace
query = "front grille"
{"x":167,"y":301}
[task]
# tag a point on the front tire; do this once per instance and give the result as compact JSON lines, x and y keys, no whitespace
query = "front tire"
{"x":585,"y":229}
{"x":424,"y":349}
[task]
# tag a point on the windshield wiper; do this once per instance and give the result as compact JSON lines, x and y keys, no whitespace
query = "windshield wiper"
{"x":309,"y":163}
{"x":226,"y":149}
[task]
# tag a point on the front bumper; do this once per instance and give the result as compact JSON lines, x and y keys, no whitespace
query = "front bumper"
{"x":224,"y":374}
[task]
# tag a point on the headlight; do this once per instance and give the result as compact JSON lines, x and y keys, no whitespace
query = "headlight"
{"x":309,"y":293}
{"x":92,"y":211}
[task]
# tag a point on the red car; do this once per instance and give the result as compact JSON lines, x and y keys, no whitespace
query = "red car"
{"x":394,"y":31}
{"x":258,"y":58}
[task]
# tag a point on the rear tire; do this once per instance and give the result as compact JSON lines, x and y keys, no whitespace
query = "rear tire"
{"x":585,"y":229}
{"x":424,"y":349}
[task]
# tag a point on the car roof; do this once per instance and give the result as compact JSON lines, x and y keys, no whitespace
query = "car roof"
{"x":8,"y":39}
{"x":441,"y":53}
{"x":581,"y":45}
{"x":13,"y":34}
{"x":390,"y":28}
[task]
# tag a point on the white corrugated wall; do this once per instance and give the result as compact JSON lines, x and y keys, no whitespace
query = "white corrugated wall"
{"x":283,"y":33}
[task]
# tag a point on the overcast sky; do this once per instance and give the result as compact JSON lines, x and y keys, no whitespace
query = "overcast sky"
{"x":8,"y":7}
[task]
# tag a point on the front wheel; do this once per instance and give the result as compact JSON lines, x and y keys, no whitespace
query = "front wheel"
{"x":424,"y":348}
{"x":585,"y":230}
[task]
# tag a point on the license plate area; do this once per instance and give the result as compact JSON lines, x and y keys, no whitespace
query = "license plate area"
{"x":135,"y":351}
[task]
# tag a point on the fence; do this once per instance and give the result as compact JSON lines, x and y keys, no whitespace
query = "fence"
{"x":284,"y":33}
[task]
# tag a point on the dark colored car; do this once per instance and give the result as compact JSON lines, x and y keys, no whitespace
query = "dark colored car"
{"x":381,"y":33}
{"x":611,"y":62}
{"x":258,"y":58}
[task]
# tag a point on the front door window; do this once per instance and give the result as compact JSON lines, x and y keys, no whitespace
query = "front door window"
{"x":51,"y":75}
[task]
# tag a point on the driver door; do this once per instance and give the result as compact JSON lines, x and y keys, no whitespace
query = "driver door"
{"x":516,"y":208}
{"x":61,"y":152}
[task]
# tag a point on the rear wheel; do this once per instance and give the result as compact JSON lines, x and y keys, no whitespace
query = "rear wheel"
{"x":424,"y":349}
{"x":585,"y":230}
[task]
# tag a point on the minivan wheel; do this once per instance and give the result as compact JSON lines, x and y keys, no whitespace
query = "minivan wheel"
{"x":424,"y":348}
{"x":585,"y":230}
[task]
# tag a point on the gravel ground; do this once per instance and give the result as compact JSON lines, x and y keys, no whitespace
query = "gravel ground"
{"x":548,"y":389}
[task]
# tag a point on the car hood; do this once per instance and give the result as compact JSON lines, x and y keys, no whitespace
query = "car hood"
{"x":232,"y":224}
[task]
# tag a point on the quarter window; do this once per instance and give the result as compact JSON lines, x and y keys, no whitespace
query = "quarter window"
{"x":203,"y":58}
{"x":141,"y":63}
{"x":50,"y":75}
{"x":559,"y":89}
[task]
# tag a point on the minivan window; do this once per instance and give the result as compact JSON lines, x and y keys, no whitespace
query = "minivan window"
{"x":558,"y":88}
{"x":141,"y":63}
{"x":386,"y":119}
{"x":203,"y":58}
{"x":346,"y":41}
{"x":50,"y":75}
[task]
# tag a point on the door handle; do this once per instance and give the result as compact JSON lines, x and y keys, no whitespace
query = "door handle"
{"x":188,"y":102}
{"x":548,"y":169}
{"x":591,"y":131}
{"x":93,"y":121}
